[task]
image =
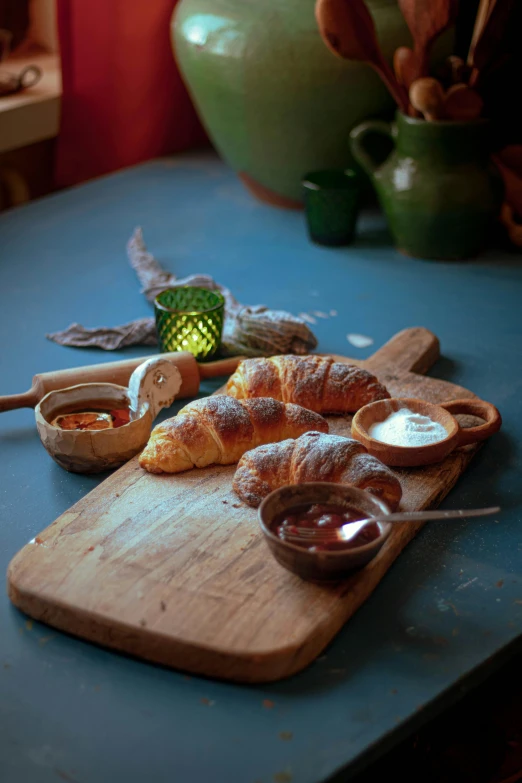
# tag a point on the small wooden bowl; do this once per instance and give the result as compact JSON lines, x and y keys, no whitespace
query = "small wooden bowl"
{"x":413,"y":456}
{"x":326,"y":566}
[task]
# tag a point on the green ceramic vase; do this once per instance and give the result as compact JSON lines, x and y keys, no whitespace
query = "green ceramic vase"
{"x":438,"y":188}
{"x":275,"y":102}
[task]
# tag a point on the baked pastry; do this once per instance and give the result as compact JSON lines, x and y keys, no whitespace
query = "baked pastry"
{"x":315,"y":382}
{"x":313,"y":457}
{"x":219,"y":429}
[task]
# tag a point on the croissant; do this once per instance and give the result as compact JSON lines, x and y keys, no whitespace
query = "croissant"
{"x":313,"y":457}
{"x":315,"y":382}
{"x":219,"y":429}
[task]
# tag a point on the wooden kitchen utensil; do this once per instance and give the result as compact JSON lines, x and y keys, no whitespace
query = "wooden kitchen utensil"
{"x":119,"y":373}
{"x":348,"y":30}
{"x":174,"y":569}
{"x":458,"y":70}
{"x":487,"y":51}
{"x":405,"y":66}
{"x":427,"y":96}
{"x":459,"y":104}
{"x":413,"y":456}
{"x":462,"y":104}
{"x":427,"y":21}
{"x":483,"y":11}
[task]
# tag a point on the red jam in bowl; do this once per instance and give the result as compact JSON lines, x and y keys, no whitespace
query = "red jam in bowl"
{"x":321,"y":516}
{"x":98,"y":417}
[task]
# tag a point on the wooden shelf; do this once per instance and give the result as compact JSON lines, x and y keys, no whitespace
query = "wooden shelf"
{"x":34,"y":114}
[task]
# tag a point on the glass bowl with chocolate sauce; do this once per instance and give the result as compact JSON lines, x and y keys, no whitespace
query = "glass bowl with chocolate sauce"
{"x":315,"y":506}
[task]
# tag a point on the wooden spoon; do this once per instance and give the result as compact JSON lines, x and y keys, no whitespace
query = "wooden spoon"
{"x":459,"y":71}
{"x":347,"y":28}
{"x":483,"y":12}
{"x":405,"y":66}
{"x":462,"y":103}
{"x":427,"y":20}
{"x":487,"y":50}
{"x":427,"y":96}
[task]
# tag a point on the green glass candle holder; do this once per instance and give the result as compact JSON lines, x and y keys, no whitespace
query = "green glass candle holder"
{"x":190,"y":319}
{"x":332,"y":206}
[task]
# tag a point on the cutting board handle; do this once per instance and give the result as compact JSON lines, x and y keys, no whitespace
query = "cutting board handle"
{"x":412,"y":350}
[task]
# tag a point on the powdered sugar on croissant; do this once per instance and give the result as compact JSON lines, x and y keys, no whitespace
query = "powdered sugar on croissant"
{"x":313,"y":457}
{"x":315,"y":382}
{"x":219,"y":430}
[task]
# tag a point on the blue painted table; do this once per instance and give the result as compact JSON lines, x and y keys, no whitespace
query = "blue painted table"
{"x":444,"y":615}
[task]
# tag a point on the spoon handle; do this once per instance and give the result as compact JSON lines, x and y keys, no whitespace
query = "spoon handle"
{"x":421,"y":516}
{"x":351,"y":529}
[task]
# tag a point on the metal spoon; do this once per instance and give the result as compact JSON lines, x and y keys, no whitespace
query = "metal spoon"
{"x":350,"y":530}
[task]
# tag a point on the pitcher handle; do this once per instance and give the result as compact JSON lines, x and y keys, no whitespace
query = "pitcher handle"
{"x":357,"y":137}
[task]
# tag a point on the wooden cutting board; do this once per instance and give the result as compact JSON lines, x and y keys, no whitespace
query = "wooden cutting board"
{"x":174,"y":568}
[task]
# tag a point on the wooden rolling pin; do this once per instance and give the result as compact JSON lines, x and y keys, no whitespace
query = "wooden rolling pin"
{"x":119,"y":373}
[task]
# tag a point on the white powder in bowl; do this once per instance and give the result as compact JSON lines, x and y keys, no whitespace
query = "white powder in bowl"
{"x":406,"y":428}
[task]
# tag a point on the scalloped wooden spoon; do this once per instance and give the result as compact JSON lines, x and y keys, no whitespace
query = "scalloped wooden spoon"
{"x":486,"y":50}
{"x":427,"y":96}
{"x":405,"y":66}
{"x":462,"y":104}
{"x":347,"y":28}
{"x":427,"y":21}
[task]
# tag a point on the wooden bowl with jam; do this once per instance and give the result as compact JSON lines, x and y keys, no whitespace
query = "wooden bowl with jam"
{"x":313,"y":505}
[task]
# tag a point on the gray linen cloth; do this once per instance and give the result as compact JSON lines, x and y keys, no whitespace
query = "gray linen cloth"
{"x":248,"y":331}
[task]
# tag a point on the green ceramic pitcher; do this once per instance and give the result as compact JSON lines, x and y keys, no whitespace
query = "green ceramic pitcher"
{"x":438,"y":188}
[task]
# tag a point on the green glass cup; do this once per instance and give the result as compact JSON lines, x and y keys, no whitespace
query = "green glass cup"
{"x":332,"y":200}
{"x":190,"y":319}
